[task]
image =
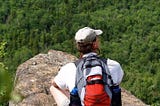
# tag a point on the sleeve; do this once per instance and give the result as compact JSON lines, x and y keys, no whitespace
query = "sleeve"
{"x":60,"y":78}
{"x":65,"y":79}
{"x":116,"y":71}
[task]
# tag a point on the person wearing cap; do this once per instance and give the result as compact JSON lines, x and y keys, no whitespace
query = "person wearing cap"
{"x":87,"y":44}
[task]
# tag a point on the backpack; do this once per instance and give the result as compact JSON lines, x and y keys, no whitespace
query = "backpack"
{"x":94,"y":85}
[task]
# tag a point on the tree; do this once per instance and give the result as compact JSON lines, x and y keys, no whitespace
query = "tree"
{"x":5,"y":78}
{"x":2,"y":47}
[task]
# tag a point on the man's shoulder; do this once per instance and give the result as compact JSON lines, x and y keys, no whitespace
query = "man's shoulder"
{"x":69,"y":65}
{"x":67,"y":69}
{"x":113,"y":62}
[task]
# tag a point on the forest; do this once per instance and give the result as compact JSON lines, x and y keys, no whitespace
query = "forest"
{"x":131,"y":35}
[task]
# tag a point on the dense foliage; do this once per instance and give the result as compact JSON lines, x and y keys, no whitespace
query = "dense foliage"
{"x":131,"y":35}
{"x":5,"y":79}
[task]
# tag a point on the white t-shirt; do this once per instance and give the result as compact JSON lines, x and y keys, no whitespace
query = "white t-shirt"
{"x":65,"y":78}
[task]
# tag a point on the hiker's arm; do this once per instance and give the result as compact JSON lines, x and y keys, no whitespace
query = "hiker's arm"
{"x":59,"y":95}
{"x":66,"y":92}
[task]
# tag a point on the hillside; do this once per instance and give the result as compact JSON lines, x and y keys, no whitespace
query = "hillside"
{"x":130,"y":28}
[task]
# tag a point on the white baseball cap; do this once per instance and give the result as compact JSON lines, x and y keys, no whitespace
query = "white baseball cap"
{"x":86,"y":35}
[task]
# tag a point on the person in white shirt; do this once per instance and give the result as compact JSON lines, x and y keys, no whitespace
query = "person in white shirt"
{"x":87,"y":44}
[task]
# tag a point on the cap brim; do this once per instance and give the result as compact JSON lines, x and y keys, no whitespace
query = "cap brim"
{"x":98,"y":32}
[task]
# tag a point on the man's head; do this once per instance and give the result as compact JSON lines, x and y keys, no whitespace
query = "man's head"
{"x":86,"y":39}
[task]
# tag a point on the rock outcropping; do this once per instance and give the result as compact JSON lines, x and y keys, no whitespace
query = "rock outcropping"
{"x":33,"y":77}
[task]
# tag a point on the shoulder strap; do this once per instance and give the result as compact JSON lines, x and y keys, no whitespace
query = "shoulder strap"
{"x":79,"y":81}
{"x":107,"y":71}
{"x":77,"y":62}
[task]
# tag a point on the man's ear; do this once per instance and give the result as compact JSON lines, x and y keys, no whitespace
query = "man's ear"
{"x":95,"y":45}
